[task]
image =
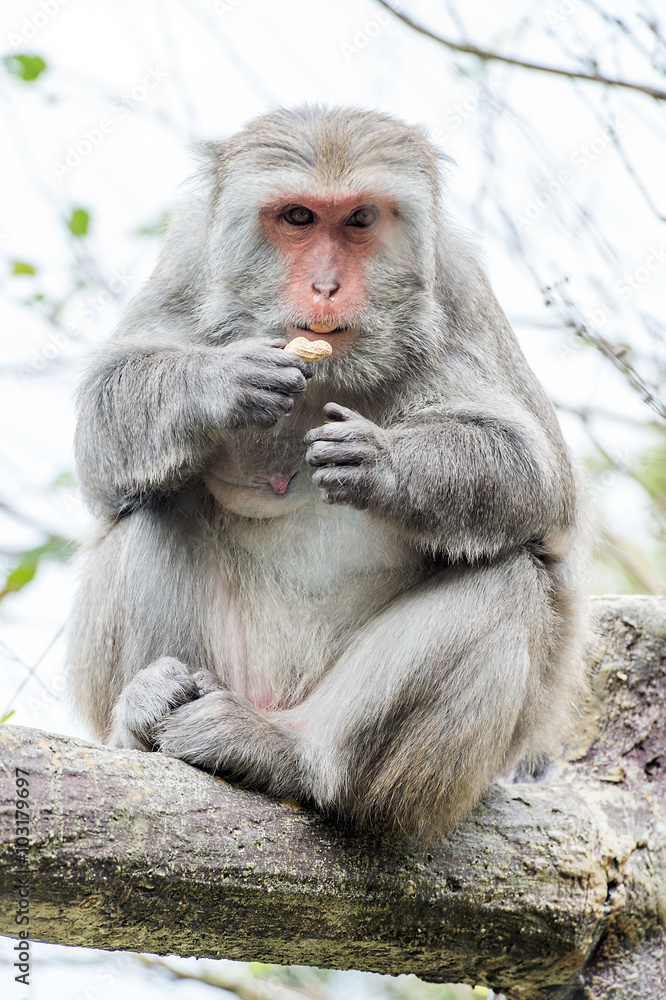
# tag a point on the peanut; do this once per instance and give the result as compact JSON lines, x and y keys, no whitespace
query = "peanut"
{"x":309,"y":350}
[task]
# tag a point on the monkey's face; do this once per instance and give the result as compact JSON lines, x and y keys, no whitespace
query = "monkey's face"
{"x":327,"y":245}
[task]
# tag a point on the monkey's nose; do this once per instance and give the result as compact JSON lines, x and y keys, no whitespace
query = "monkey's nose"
{"x":326,"y":289}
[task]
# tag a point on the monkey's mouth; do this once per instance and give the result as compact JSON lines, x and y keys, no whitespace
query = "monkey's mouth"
{"x":320,"y":328}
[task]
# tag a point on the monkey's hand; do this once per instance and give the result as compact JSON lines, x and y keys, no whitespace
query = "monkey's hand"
{"x":153,"y":694}
{"x":262,"y":381}
{"x":354,"y":455}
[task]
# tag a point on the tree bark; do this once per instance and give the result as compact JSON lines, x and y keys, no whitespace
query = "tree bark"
{"x":555,"y":889}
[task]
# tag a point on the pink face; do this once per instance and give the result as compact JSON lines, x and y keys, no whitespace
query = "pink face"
{"x":325,"y":242}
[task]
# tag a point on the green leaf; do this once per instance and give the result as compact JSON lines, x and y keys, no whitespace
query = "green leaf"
{"x":22,"y":267}
{"x":27,"y":68}
{"x":55,"y":548}
{"x":7,"y":716}
{"x":19,"y":577}
{"x":78,"y":222}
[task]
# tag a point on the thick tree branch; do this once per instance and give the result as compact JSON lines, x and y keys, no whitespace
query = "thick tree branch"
{"x":548,"y":891}
{"x":487,"y":56}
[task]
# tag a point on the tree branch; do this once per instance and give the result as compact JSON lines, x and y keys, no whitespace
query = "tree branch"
{"x":546,"y":883}
{"x":617,"y":355}
{"x":488,"y":56}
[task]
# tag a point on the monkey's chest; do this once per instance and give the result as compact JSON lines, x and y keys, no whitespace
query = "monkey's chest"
{"x":261,"y":477}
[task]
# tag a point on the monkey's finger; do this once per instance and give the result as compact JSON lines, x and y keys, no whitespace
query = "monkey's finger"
{"x":281,"y":380}
{"x":339,"y":453}
{"x":285,"y":359}
{"x":265,"y":408}
{"x":292,"y":358}
{"x":336,"y":477}
{"x":344,"y":495}
{"x":334,"y":411}
{"x":355,"y":431}
{"x":349,"y":494}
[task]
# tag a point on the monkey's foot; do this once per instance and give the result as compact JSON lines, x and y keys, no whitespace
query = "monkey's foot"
{"x":529,"y":771}
{"x":153,"y":694}
{"x":224,"y":732}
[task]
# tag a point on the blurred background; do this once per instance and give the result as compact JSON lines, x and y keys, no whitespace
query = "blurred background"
{"x":554,"y":115}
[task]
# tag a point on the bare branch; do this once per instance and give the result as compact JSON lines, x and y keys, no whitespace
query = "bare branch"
{"x":615,"y":353}
{"x":488,"y":56}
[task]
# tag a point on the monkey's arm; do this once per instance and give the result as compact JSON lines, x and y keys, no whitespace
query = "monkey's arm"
{"x":471,"y":485}
{"x":149,"y":419}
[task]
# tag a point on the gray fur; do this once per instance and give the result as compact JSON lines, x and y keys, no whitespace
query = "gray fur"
{"x":406,"y":622}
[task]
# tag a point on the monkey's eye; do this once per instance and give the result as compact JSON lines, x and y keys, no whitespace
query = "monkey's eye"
{"x":363,"y":217}
{"x":299,"y":216}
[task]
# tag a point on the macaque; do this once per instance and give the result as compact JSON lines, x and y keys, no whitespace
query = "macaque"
{"x":358,"y":583}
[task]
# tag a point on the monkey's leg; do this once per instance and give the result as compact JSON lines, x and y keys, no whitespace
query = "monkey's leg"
{"x":142,"y":612}
{"x":435,"y":697}
{"x":431,"y":700}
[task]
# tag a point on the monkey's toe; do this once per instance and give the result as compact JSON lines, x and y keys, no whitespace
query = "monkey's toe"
{"x":207,"y":682}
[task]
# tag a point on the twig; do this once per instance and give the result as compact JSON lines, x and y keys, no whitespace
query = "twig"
{"x":488,"y":56}
{"x":617,"y":355}
{"x":633,"y":561}
{"x":245,"y":987}
{"x":586,"y":413}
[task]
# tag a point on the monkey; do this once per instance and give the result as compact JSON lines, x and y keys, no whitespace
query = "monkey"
{"x":357,"y":584}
